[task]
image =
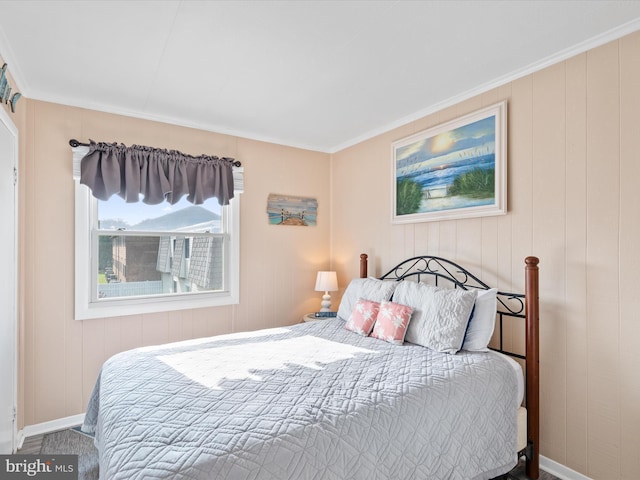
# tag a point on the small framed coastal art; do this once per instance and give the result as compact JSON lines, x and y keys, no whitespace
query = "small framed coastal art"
{"x":454,"y":170}
{"x":288,"y":210}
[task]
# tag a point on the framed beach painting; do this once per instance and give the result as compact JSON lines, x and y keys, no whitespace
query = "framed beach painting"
{"x":454,"y":170}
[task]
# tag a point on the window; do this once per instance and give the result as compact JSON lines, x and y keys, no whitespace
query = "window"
{"x":135,"y":258}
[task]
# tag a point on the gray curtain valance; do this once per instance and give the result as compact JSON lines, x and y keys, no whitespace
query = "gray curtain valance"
{"x":156,"y":174}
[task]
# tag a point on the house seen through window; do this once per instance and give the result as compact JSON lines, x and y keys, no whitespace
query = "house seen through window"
{"x":158,"y":249}
{"x":134,"y":258}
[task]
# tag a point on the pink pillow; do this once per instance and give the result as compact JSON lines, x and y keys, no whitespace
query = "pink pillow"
{"x":363,"y":317}
{"x":392,"y":322}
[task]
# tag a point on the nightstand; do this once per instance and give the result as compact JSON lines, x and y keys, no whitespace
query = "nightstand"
{"x":310,"y":317}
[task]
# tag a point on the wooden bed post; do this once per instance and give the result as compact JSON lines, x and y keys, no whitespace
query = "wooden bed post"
{"x":533,"y":367}
{"x":363,"y":265}
{"x":532,"y":361}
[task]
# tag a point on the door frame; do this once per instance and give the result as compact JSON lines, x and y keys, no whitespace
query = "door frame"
{"x":13,"y":130}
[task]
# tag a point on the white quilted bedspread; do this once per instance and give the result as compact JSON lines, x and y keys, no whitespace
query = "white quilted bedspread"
{"x":311,"y":401}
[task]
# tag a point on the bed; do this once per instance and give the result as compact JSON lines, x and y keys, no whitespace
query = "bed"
{"x":320,"y":401}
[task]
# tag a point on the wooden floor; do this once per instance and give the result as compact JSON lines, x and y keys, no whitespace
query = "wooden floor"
{"x":518,"y":474}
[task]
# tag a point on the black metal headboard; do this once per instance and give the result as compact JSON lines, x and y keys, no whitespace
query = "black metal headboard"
{"x":519,"y":305}
{"x":442,"y":272}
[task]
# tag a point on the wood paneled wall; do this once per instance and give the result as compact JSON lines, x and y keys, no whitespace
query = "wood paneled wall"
{"x":573,"y":198}
{"x":574,"y":201}
{"x":61,"y":357}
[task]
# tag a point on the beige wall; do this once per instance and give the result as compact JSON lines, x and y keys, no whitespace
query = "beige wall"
{"x":574,"y":201}
{"x":60,"y":357}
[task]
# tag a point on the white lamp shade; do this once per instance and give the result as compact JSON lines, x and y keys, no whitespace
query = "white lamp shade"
{"x":326,"y":282}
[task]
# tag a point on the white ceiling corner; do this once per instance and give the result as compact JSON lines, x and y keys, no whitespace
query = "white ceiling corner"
{"x":320,"y":75}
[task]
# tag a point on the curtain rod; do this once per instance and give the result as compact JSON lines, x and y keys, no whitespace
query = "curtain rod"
{"x":75,"y":143}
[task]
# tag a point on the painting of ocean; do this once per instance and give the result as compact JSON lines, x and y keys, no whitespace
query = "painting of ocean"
{"x":453,"y":170}
{"x":435,"y":164}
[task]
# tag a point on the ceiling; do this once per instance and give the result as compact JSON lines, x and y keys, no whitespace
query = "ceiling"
{"x":320,"y":75}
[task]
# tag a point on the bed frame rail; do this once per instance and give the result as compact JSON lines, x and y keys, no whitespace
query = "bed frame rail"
{"x":442,"y":272}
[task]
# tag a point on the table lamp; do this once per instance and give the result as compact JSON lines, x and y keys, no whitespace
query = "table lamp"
{"x":326,"y":282}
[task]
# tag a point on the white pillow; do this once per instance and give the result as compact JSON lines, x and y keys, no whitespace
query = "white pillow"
{"x":440,"y":315}
{"x":367,"y":288}
{"x":482,"y":323}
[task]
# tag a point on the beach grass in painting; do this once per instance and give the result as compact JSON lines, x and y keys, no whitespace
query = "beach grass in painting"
{"x":288,"y":210}
{"x":448,"y":169}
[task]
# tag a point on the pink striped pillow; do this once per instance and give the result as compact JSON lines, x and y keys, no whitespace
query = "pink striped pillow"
{"x":363,"y":317}
{"x":392,"y":322}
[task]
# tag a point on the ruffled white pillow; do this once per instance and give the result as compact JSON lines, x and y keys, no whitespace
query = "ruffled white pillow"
{"x":367,"y":288}
{"x":440,"y":315}
{"x":482,"y":322}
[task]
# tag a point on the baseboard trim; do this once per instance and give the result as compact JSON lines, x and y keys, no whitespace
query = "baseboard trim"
{"x":559,"y":470}
{"x":19,"y":441}
{"x":51,"y":426}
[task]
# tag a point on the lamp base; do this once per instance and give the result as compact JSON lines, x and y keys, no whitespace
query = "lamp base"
{"x":326,"y":302}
